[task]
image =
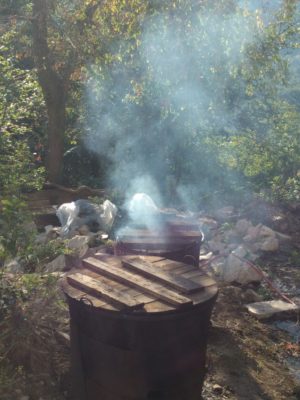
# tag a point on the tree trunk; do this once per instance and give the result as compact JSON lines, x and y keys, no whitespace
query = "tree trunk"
{"x":55,"y":131}
{"x":54,"y":90}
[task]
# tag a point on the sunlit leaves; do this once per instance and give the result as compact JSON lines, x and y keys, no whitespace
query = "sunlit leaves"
{"x":21,"y":109}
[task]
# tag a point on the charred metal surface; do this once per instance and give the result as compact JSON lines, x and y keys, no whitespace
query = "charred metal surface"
{"x":176,"y":239}
{"x":156,"y":352}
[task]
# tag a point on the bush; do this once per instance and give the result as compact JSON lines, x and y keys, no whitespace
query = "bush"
{"x":33,"y":360}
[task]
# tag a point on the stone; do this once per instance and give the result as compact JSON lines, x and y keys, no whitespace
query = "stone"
{"x":13,"y":266}
{"x":252,"y":233}
{"x":270,"y":244}
{"x":216,"y":246}
{"x":266,"y":309}
{"x":283,"y":238}
{"x":239,"y":271}
{"x":265,"y":231}
{"x":252,"y":256}
{"x":233,"y":292}
{"x":217,"y":268}
{"x":250,"y":296}
{"x":49,"y":234}
{"x":248,"y":239}
{"x":79,"y":245}
{"x":58,"y":264}
{"x":231,"y":246}
{"x":240,"y":251}
{"x":231,"y":236}
{"x":252,"y":247}
{"x":48,"y":228}
{"x":242,"y":226}
{"x":41,"y":238}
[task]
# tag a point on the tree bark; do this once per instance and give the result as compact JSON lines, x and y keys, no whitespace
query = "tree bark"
{"x":54,"y":90}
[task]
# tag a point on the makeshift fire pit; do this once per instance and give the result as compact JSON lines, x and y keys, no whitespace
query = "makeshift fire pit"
{"x":178,"y":239}
{"x":139,"y":328}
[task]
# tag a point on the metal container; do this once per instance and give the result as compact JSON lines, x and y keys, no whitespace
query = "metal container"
{"x":148,"y":348}
{"x":177,"y":239}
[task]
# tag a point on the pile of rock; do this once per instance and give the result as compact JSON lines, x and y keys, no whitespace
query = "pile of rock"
{"x":236,"y":242}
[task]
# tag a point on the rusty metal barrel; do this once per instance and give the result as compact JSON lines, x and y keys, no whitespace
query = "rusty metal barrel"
{"x":178,"y":239}
{"x":139,"y":328}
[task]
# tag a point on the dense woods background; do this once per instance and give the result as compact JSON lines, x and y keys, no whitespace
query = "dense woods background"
{"x":209,"y":89}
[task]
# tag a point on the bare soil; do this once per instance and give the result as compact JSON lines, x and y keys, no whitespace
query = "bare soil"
{"x":246,"y":356}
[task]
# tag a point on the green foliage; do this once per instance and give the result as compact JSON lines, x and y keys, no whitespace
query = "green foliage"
{"x":21,"y":243}
{"x":266,"y":146}
{"x":245,"y":138}
{"x":34,"y":256}
{"x":21,"y":109}
{"x":14,"y":234}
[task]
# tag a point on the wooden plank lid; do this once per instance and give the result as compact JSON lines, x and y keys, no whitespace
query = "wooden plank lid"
{"x":143,"y":284}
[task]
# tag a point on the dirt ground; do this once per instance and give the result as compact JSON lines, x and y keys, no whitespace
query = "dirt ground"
{"x":245,"y":356}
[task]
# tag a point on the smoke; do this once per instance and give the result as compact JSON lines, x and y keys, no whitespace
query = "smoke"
{"x":152,"y":113}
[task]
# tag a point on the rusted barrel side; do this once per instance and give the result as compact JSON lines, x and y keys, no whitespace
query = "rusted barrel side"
{"x":139,"y":357}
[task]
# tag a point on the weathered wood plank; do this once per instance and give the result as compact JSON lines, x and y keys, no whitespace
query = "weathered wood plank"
{"x":120,"y":287}
{"x":157,"y":306}
{"x":177,"y":282}
{"x":143,"y":284}
{"x":203,"y":280}
{"x":79,"y":294}
{"x":152,"y":259}
{"x":100,"y":289}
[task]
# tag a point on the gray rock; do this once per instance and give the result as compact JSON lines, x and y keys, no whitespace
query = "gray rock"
{"x":252,"y":256}
{"x":283,"y":238}
{"x":41,"y":238}
{"x":216,"y":246}
{"x":79,"y":245}
{"x":231,"y":236}
{"x":49,"y":234}
{"x":266,"y":309}
{"x":58,"y":264}
{"x":242,"y":226}
{"x":250,"y":296}
{"x":239,"y":271}
{"x":231,"y":246}
{"x":217,"y":268}
{"x":252,"y":233}
{"x":240,"y":251}
{"x":265,"y":231}
{"x":270,"y":244}
{"x":13,"y":266}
